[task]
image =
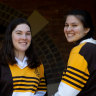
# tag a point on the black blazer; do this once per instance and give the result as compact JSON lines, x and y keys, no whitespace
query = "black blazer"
{"x":6,"y":84}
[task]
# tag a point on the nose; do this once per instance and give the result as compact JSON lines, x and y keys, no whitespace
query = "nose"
{"x":24,"y":36}
{"x":69,"y":28}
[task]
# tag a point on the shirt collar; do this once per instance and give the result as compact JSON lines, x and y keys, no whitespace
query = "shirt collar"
{"x":90,"y":40}
{"x":22,"y":64}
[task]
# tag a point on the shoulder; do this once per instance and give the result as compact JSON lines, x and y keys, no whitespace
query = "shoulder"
{"x":76,"y":49}
{"x":84,"y":48}
{"x":41,"y":68}
{"x":88,"y":49}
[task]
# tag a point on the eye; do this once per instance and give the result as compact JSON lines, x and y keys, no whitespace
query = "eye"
{"x":74,"y":25}
{"x":66,"y":25}
{"x":18,"y":33}
{"x":28,"y":33}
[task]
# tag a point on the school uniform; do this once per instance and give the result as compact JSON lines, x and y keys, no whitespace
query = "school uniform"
{"x":80,"y":76}
{"x":20,"y":80}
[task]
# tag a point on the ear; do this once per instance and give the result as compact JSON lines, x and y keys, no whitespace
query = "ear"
{"x":87,"y":30}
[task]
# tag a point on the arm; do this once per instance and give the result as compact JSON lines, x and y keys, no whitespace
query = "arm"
{"x":75,"y":77}
{"x":42,"y":87}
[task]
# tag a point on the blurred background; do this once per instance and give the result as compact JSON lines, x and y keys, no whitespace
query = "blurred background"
{"x":47,"y":21}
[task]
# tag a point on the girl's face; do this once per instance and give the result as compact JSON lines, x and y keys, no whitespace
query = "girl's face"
{"x":74,"y":29}
{"x":21,"y":37}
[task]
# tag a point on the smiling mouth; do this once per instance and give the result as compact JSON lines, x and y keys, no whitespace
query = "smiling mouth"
{"x":23,"y":43}
{"x":70,"y":35}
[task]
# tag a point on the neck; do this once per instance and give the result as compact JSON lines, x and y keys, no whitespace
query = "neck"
{"x":85,"y":37}
{"x":20,"y":55}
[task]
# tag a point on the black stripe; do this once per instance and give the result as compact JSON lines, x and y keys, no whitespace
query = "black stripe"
{"x":42,"y":78}
{"x":25,"y":81}
{"x":26,"y":77}
{"x":72,"y":83}
{"x":24,"y":89}
{"x":42,"y":81}
{"x":76,"y":75}
{"x":78,"y":70}
{"x":75,"y":79}
{"x":42,"y":88}
{"x":25,"y":85}
{"x":42,"y":85}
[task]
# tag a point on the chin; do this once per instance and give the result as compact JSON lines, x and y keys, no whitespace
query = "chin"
{"x":23,"y":50}
{"x":70,"y":41}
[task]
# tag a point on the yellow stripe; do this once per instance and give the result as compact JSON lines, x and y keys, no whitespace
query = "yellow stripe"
{"x":25,"y":83}
{"x":25,"y":87}
{"x":26,"y":79}
{"x":81,"y":74}
{"x":42,"y":79}
{"x":42,"y":90}
{"x":42,"y":87}
{"x":42,"y":84}
{"x":24,"y":91}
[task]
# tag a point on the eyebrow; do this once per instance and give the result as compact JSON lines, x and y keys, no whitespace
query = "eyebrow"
{"x":72,"y":23}
{"x":21,"y":31}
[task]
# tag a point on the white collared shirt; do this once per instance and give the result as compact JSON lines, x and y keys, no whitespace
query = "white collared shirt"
{"x":22,"y":64}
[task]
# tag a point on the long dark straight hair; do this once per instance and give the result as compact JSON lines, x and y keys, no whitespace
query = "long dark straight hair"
{"x":7,"y":49}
